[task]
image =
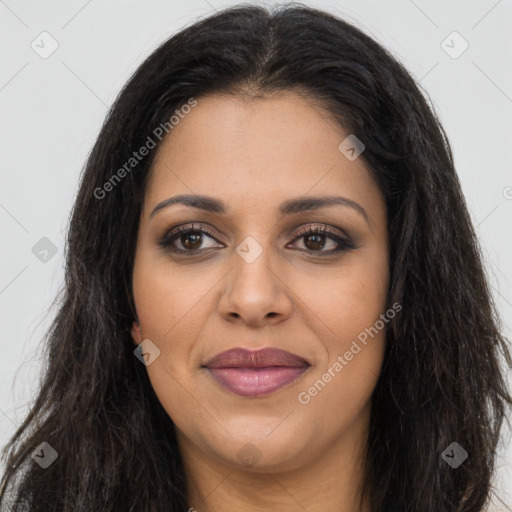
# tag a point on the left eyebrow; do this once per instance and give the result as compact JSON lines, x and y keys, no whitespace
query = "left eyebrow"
{"x":289,"y":207}
{"x":303,"y":204}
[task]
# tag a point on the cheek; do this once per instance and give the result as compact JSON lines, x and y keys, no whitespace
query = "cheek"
{"x":173,"y":308}
{"x":169,"y":311}
{"x":347,"y":305}
{"x":168,"y":302}
{"x":354,"y":337}
{"x":347,"y":300}
{"x":340,"y":396}
{"x":161,"y":307}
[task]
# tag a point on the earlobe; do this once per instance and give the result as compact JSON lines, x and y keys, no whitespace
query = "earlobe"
{"x":135,"y":332}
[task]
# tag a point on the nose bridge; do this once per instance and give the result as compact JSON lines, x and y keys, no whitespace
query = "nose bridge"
{"x":252,"y":266}
{"x":254,"y":290}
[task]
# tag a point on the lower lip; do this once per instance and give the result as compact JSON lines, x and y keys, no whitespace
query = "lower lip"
{"x":256,"y":381}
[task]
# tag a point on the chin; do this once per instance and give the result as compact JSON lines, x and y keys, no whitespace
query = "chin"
{"x":279,"y":451}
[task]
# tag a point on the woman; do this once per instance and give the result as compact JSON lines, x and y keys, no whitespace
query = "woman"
{"x":274,"y":296}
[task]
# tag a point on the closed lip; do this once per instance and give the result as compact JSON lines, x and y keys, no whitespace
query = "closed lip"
{"x":263,"y":358}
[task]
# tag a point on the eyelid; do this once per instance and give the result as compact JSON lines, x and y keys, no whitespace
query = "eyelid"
{"x":326,"y":228}
{"x":333,"y":233}
{"x":171,"y":233}
{"x":337,"y":235}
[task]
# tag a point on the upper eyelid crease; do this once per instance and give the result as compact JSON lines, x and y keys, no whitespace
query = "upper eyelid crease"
{"x":289,"y":207}
{"x":331,"y":232}
{"x":207,"y":229}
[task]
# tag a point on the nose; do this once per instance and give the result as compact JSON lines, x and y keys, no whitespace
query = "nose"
{"x":254,"y":292}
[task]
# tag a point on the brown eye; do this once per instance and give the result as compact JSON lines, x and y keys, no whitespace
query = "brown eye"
{"x":315,"y":238}
{"x":189,"y":237}
{"x":191,"y":240}
{"x":314,"y":242}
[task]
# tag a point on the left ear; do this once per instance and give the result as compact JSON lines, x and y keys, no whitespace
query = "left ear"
{"x":135,"y":332}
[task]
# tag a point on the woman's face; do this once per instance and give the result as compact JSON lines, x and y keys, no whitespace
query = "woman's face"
{"x":256,"y":279}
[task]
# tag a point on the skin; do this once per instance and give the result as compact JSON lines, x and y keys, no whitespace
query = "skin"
{"x":253,"y":155}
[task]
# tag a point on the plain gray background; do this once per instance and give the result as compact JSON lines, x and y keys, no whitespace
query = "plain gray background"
{"x":52,"y":109}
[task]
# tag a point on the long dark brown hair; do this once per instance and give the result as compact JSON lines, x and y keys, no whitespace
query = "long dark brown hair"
{"x":442,"y":380}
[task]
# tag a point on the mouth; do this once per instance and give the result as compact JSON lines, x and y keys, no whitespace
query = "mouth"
{"x":256,"y":373}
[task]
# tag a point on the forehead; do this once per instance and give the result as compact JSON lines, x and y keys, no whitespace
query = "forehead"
{"x":255,"y":153}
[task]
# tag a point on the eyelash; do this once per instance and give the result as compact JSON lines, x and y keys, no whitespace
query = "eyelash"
{"x":344,"y":243}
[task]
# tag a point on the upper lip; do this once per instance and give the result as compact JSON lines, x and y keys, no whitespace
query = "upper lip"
{"x":244,"y":358}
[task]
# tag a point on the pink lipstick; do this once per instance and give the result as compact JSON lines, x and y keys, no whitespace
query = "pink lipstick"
{"x":256,"y":373}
